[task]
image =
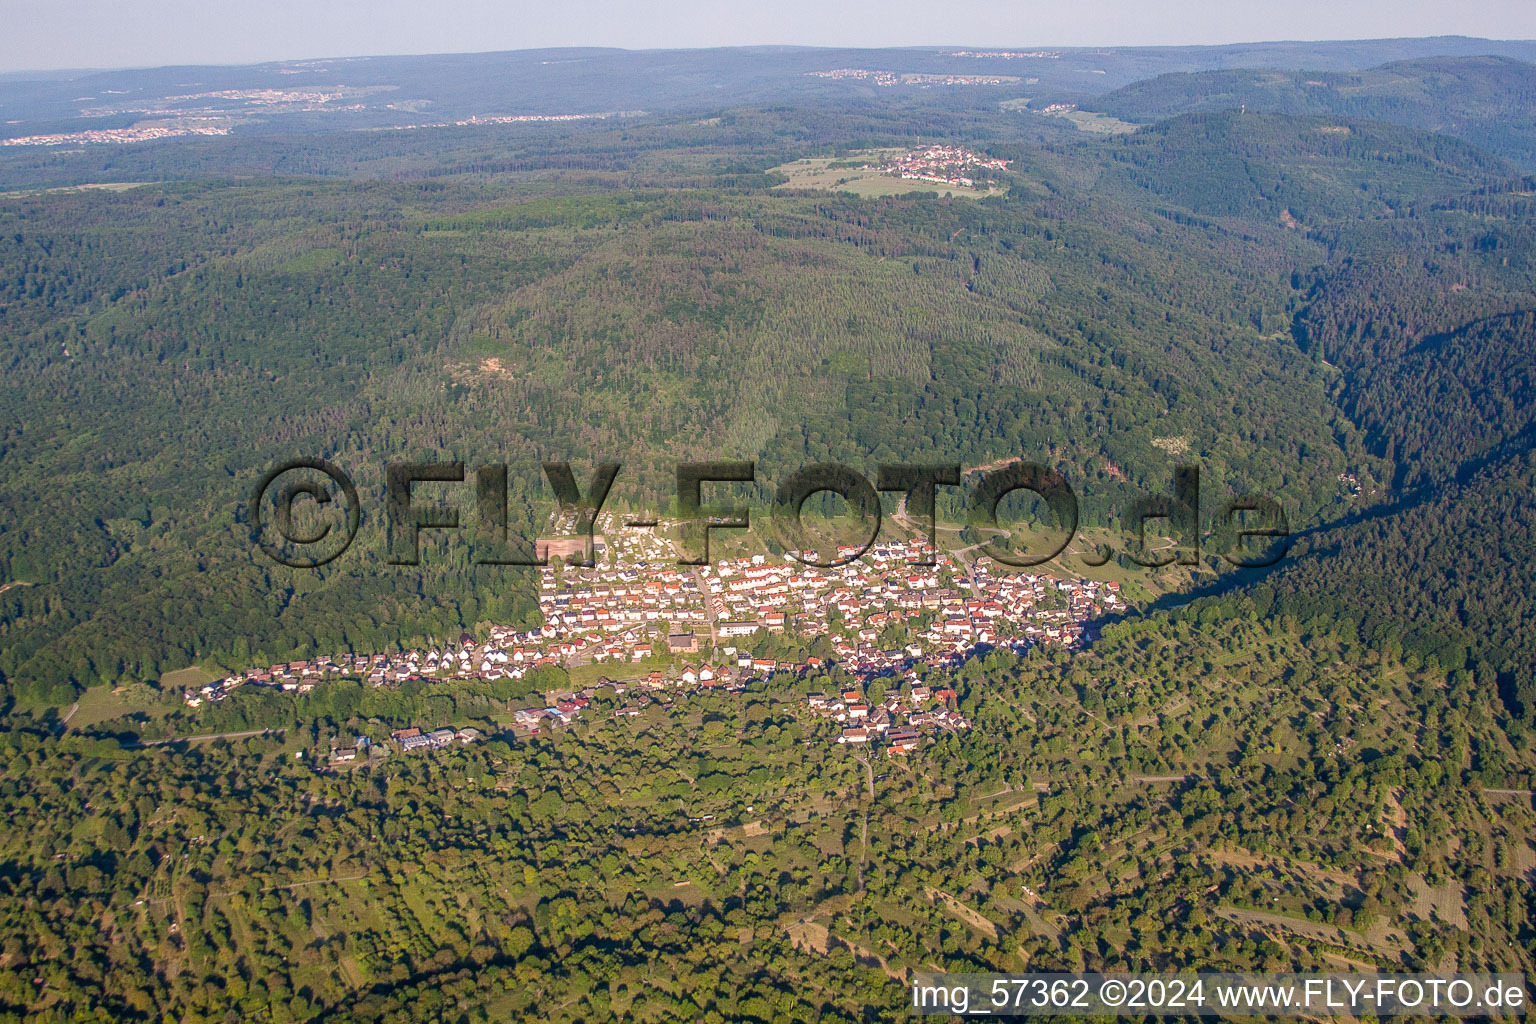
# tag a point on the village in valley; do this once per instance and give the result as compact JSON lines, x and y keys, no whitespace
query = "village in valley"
{"x":647,"y":628}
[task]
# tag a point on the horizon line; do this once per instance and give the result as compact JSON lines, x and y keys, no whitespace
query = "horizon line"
{"x":21,"y":73}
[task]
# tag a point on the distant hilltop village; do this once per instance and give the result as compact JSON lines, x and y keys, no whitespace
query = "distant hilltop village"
{"x":1007,"y":54}
{"x":920,"y":79}
{"x":172,"y":127}
{"x":212,"y":113}
{"x":483,"y":119}
{"x":881,"y":617}
{"x":142,"y":132}
{"x":219,"y":112}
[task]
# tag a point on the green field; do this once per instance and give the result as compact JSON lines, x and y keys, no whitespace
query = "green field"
{"x":1084,"y":120}
{"x":192,"y":678}
{"x":1096,"y":123}
{"x":101,"y":186}
{"x":103,"y":703}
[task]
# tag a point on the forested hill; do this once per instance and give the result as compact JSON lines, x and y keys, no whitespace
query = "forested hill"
{"x":1164,"y":291}
{"x":1437,"y":355}
{"x":1316,"y":175}
{"x":347,"y":93}
{"x":1484,"y":99}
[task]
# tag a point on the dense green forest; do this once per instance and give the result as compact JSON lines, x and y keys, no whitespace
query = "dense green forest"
{"x":1322,"y":764}
{"x":1122,"y":302}
{"x":1436,"y":352}
{"x":1203,"y":791}
{"x":1479,"y":99}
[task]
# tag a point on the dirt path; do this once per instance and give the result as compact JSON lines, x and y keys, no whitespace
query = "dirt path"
{"x":210,"y":736}
{"x":808,"y":934}
{"x":945,"y":826}
{"x":1023,"y":863}
{"x":1333,"y":882}
{"x":965,"y":913}
{"x":64,"y":722}
{"x":1386,"y":944}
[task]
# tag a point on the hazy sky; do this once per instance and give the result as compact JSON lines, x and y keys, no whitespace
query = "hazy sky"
{"x":134,"y":33}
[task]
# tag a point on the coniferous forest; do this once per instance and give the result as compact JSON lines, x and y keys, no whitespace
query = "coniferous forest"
{"x":1316,"y":286}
